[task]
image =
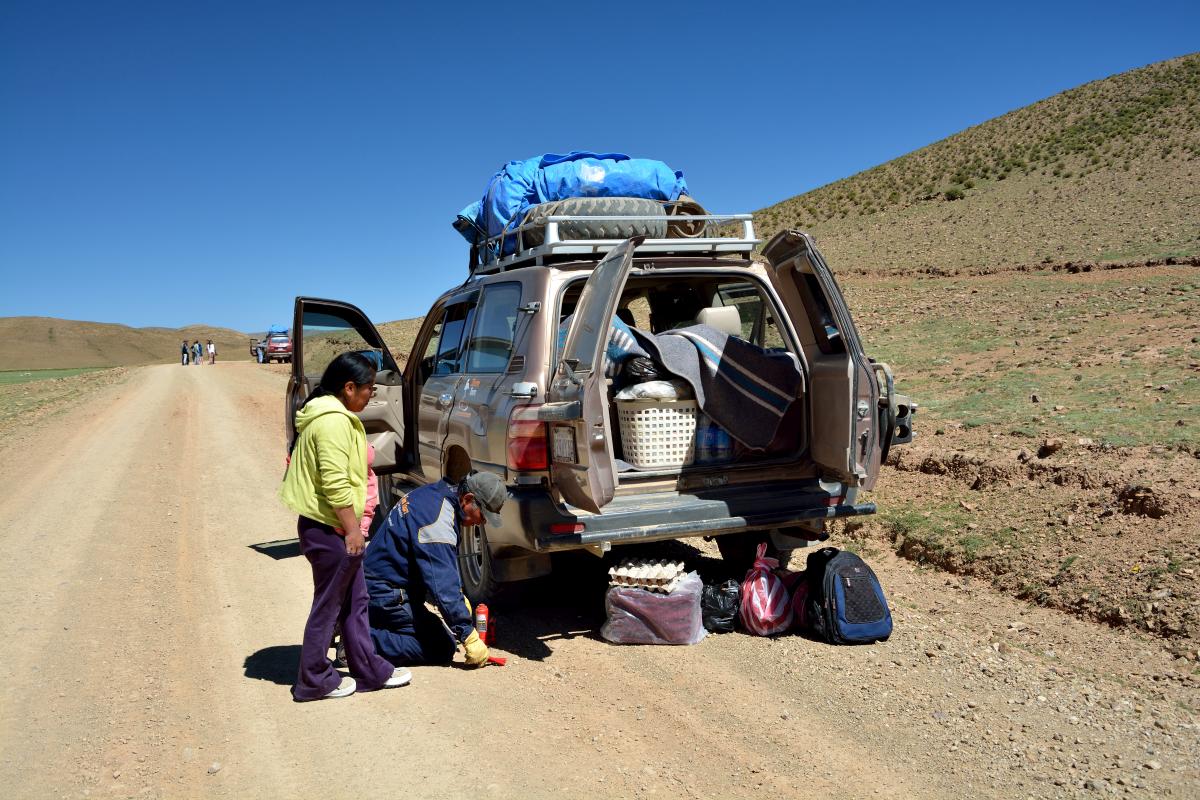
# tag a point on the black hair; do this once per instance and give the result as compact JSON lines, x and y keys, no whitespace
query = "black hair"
{"x":351,"y":366}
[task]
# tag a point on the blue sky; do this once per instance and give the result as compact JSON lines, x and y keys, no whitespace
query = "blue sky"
{"x":169,"y":163}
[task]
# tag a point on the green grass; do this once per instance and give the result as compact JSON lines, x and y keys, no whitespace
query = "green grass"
{"x":1097,"y":348}
{"x":31,"y":392}
{"x":1148,"y":250}
{"x":941,"y":533}
{"x":13,"y":376}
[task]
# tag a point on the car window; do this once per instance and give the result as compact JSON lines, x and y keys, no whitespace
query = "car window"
{"x":820,"y":315}
{"x":429,"y":353}
{"x":454,"y":329}
{"x":746,"y":298}
{"x":496,"y":318}
{"x":325,"y":336}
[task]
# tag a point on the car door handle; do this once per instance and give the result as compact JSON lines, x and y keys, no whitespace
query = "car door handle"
{"x":444,"y":400}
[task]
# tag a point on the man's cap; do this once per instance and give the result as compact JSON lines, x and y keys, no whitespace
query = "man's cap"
{"x":490,"y":492}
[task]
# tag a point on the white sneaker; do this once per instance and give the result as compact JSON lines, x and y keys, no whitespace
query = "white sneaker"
{"x":345,"y":688}
{"x":400,"y":677}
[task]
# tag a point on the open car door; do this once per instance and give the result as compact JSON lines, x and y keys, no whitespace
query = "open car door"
{"x":844,"y":393}
{"x":320,"y":331}
{"x":582,"y":466}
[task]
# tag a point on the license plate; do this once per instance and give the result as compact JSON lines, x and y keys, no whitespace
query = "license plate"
{"x":564,"y":444}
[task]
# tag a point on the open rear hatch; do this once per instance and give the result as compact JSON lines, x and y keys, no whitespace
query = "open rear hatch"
{"x":582,"y":467}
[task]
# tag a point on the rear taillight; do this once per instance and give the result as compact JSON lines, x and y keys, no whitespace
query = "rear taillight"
{"x":526,"y":440}
{"x":563,"y":528}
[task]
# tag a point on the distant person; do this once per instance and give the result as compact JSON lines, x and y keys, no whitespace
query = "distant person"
{"x":212,"y":352}
{"x":184,"y":354}
{"x":326,"y":485}
{"x":197,"y":352}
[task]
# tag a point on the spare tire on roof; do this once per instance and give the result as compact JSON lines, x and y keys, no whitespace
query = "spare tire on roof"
{"x":655,"y":227}
{"x":686,"y":228}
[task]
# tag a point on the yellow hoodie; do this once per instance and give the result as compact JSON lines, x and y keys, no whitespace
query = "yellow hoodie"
{"x":329,"y":462}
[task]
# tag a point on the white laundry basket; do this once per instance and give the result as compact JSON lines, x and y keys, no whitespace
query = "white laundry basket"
{"x":658,"y":433}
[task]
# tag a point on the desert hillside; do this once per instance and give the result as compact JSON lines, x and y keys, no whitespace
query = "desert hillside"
{"x":49,"y":343}
{"x":1108,"y":171}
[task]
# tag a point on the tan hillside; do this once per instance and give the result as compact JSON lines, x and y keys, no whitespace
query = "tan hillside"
{"x":1108,"y":171}
{"x":400,"y":336}
{"x":49,"y":343}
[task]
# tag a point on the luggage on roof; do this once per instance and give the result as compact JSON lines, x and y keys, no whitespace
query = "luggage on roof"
{"x":544,"y":179}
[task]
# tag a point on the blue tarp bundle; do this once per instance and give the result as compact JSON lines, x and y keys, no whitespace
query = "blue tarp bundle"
{"x":542,"y":179}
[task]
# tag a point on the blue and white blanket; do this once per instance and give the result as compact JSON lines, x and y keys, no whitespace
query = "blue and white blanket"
{"x":743,"y":388}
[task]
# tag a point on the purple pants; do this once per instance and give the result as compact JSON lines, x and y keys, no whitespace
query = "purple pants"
{"x":339,"y":595}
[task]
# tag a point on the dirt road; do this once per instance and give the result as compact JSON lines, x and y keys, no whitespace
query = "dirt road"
{"x":155,"y":606}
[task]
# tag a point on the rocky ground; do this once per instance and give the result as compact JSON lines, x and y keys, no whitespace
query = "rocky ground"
{"x":1059,"y":434}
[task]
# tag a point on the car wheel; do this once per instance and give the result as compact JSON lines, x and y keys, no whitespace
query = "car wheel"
{"x":739,"y":550}
{"x":475,"y":565}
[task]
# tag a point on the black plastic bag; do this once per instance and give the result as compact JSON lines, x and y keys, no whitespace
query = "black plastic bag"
{"x":639,"y":369}
{"x":719,"y":606}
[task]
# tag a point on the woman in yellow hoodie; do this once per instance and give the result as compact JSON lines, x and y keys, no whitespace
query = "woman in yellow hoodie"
{"x":326,"y":484}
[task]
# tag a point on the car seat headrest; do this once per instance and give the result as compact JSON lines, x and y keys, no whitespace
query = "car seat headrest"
{"x":724,"y":318}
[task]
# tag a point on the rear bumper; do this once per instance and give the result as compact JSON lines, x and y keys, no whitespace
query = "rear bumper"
{"x":668,"y":515}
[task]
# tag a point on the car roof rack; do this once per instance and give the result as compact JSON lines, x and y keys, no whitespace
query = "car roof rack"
{"x":719,"y":234}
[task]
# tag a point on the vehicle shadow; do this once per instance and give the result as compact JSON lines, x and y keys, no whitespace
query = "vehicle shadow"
{"x":569,"y":603}
{"x":276,"y":664}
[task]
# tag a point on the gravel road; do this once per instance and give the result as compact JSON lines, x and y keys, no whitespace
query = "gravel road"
{"x":156,"y":603}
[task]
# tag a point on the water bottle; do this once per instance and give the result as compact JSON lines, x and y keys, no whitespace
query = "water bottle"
{"x":722,"y":444}
{"x":704,"y":439}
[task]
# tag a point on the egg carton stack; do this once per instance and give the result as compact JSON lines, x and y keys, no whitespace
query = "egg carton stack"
{"x":656,"y":575}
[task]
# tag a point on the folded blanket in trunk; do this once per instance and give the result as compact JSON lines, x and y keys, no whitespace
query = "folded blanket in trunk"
{"x":743,"y":388}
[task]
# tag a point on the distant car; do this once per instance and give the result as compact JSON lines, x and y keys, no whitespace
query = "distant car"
{"x":279,"y":348}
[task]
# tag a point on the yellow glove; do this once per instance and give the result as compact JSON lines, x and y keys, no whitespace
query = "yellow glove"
{"x":476,"y":651}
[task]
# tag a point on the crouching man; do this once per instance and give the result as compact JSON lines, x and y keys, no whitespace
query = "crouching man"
{"x":415,"y":554}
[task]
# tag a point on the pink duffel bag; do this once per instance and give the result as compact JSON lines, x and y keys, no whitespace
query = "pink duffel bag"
{"x":766,"y":607}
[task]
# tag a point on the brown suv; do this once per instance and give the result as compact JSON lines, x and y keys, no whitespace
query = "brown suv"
{"x":488,"y":384}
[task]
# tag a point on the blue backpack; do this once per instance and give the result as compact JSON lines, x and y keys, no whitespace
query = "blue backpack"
{"x":845,"y":603}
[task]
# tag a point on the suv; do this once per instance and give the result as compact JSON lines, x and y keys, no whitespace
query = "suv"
{"x":489,"y":386}
{"x":278,"y":348}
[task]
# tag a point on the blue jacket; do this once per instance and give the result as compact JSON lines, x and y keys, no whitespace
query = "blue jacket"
{"x":416,"y":550}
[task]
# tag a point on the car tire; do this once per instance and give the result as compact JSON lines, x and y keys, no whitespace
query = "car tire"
{"x":599,"y":229}
{"x":475,"y":565}
{"x":739,"y":550}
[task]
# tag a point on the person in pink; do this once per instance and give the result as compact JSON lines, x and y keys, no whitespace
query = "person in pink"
{"x":368,"y":515}
{"x":372,"y":493}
